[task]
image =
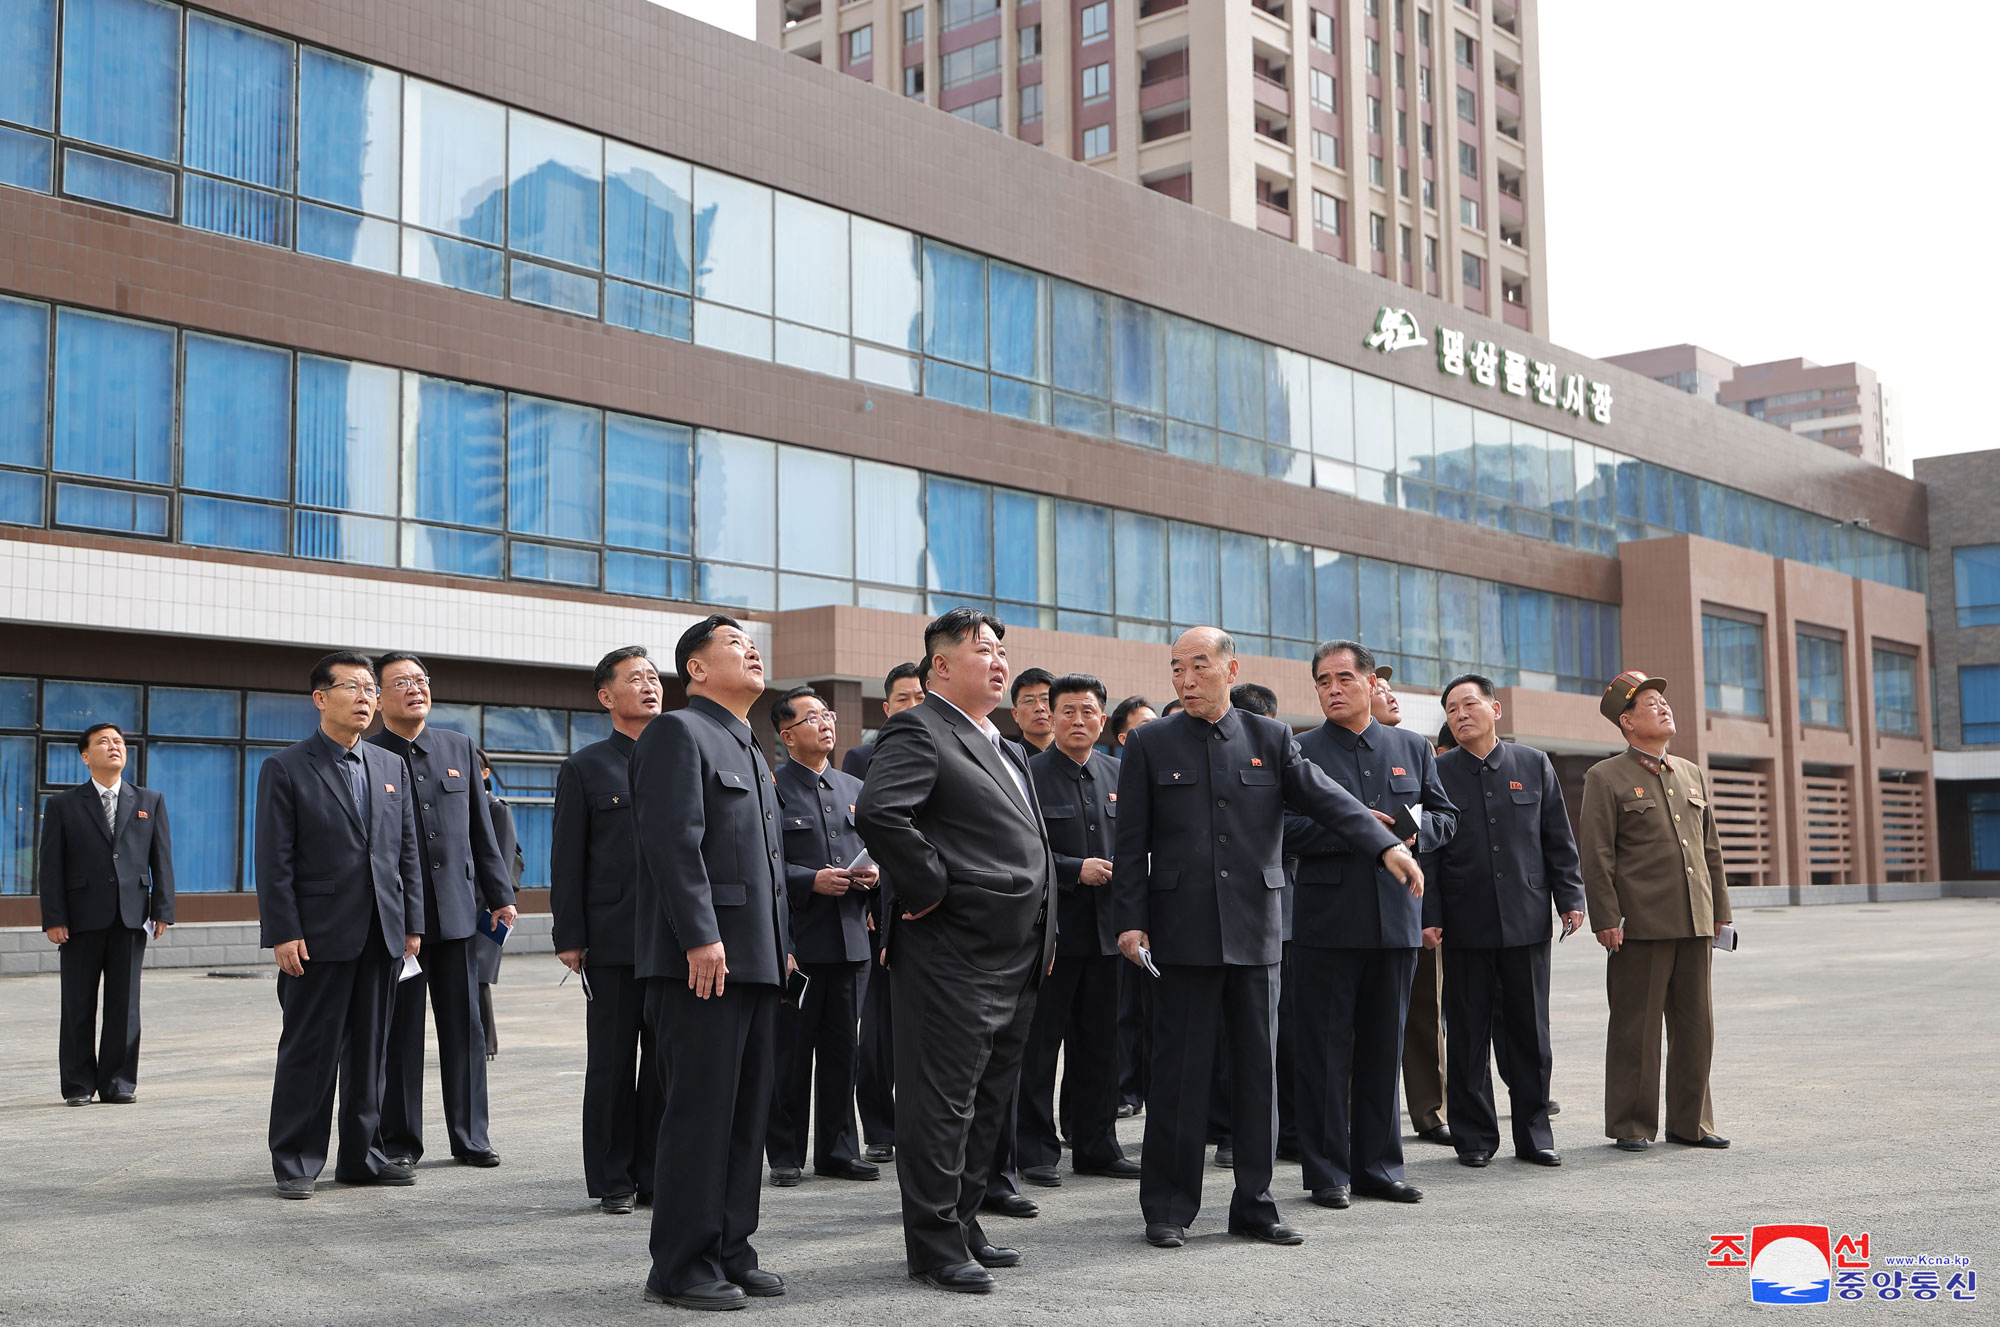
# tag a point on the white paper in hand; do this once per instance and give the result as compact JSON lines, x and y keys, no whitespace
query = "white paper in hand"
{"x":1725,"y":937}
{"x":1146,"y":959}
{"x":862,"y":862}
{"x":411,"y":968}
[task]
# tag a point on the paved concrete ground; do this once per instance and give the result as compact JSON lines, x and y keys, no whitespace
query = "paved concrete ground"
{"x":1857,"y":1070}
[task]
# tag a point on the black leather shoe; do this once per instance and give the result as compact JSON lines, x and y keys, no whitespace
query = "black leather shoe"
{"x":878,"y":1152}
{"x":1042,"y":1177}
{"x":1225,"y":1156}
{"x":120,"y":1098}
{"x":403,"y":1159}
{"x":484,"y":1160}
{"x":1013,"y":1204}
{"x":713,"y":1295}
{"x":391,"y":1174}
{"x":298,"y":1188}
{"x":1475,"y":1159}
{"x":1398,"y":1192}
{"x":618,"y":1204}
{"x":996,"y":1255}
{"x":77,"y":1101}
{"x":1555,"y":1108}
{"x":1441,"y":1134}
{"x":1542,"y":1156}
{"x":1334,"y":1196}
{"x":786,"y":1177}
{"x":1124,"y":1168}
{"x":1275,"y":1233}
{"x":1633,"y":1144}
{"x":756,"y":1281}
{"x":1706,"y":1140}
{"x":965,"y":1278}
{"x":645,"y":1200}
{"x":1126,"y":1110}
{"x":850,"y":1170}
{"x":1163,"y":1236}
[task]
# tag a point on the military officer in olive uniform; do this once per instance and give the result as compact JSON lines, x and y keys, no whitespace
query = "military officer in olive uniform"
{"x":1653,"y":881}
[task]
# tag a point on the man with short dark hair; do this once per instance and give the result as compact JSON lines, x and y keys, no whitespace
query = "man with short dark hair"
{"x":1032,"y":715}
{"x":1199,"y":878}
{"x":714,"y":950}
{"x":1497,"y":881}
{"x":1658,"y":899}
{"x":950,"y":814}
{"x":340,"y":894}
{"x":593,"y":896}
{"x":462,"y":872}
{"x":1135,"y":991}
{"x":1076,"y":1015}
{"x":875,"y":1067}
{"x":1356,"y":931}
{"x":829,"y":923}
{"x":107,"y":882}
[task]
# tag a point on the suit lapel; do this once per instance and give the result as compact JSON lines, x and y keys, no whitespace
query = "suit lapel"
{"x":93,"y":804}
{"x":342,"y":795}
{"x":982,"y":751}
{"x":128,"y":806}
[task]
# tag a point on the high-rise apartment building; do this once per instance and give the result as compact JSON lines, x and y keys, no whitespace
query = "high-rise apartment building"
{"x":1842,"y":405}
{"x":1402,"y":137}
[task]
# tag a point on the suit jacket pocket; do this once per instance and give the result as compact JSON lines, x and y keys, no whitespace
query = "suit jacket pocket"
{"x":309,"y":887}
{"x":726,"y":893}
{"x":611,"y":802}
{"x":1274,"y":877}
{"x":1170,"y":879}
{"x":1405,"y":783}
{"x":1259,"y":778}
{"x":732,"y":781}
{"x":1057,"y":812}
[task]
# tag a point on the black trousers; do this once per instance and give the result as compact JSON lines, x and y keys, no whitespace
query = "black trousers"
{"x":1288,"y":1037}
{"x":1352,"y":1003}
{"x":451,"y":975}
{"x":1198,"y":1010}
{"x":717,"y":1059}
{"x":1516,"y":980}
{"x":960,"y":1034}
{"x":875,"y":1066}
{"x":87,"y":1063}
{"x":1075,"y":1014}
{"x":336,"y":1026}
{"x":1135,"y":1032}
{"x":817,"y":1042}
{"x":621,"y":1084}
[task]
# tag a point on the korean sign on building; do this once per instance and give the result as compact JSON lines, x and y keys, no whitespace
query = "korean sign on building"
{"x":1491,"y":366}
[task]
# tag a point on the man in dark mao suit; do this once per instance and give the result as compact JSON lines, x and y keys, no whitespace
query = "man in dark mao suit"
{"x":1511,"y":864}
{"x":714,"y":951}
{"x":593,"y":898}
{"x":463,"y":873}
{"x":341,"y":903}
{"x":1356,"y":932}
{"x":1199,"y":880}
{"x":950,"y":815}
{"x":107,"y":877}
{"x":829,"y":921}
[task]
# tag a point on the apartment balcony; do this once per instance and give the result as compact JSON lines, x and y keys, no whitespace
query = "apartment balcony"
{"x":1514,"y":315}
{"x":798,"y":11}
{"x":1273,"y":220}
{"x":1163,"y":94}
{"x":1506,"y":100}
{"x":1511,"y":208}
{"x":1150,"y":8}
{"x":1270,"y":94}
{"x":1166,"y":124}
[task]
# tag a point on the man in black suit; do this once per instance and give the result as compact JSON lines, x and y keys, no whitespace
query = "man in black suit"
{"x":1199,"y":879}
{"x":829,"y":925}
{"x":949,"y":813}
{"x":487,"y":962}
{"x":462,"y":871}
{"x":714,"y":951}
{"x":107,"y":883}
{"x":593,"y":894}
{"x":875,"y":1069}
{"x":340,"y":897}
{"x":1135,"y":992}
{"x":1497,"y":881}
{"x":1077,"y":1011}
{"x":1356,"y":931}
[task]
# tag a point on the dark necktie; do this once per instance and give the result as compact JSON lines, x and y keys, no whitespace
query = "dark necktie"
{"x":350,"y":769}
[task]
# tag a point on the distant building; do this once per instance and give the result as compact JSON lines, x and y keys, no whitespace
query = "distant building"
{"x":1841,"y":405}
{"x":1965,"y":635}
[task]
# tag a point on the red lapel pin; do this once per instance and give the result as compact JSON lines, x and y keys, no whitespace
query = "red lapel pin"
{"x":388,"y":787}
{"x":1515,"y":786}
{"x":1396,"y":769}
{"x":142,"y":815}
{"x":1258,"y":763}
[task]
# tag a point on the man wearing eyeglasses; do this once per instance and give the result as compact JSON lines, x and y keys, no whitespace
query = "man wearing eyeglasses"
{"x":340,"y":901}
{"x":462,"y":872}
{"x":829,"y":915}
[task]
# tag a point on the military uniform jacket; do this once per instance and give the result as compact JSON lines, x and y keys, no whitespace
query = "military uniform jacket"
{"x":593,"y":859}
{"x":1080,"y":804}
{"x":1345,"y":899}
{"x":1512,"y":863}
{"x":463,"y":870}
{"x":1649,"y":849}
{"x":1201,"y":830}
{"x":817,"y":811}
{"x":94,"y":877}
{"x":710,"y":868}
{"x":324,"y":869}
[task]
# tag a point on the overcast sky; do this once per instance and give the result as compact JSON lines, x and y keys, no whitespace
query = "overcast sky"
{"x":1768,"y":178}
